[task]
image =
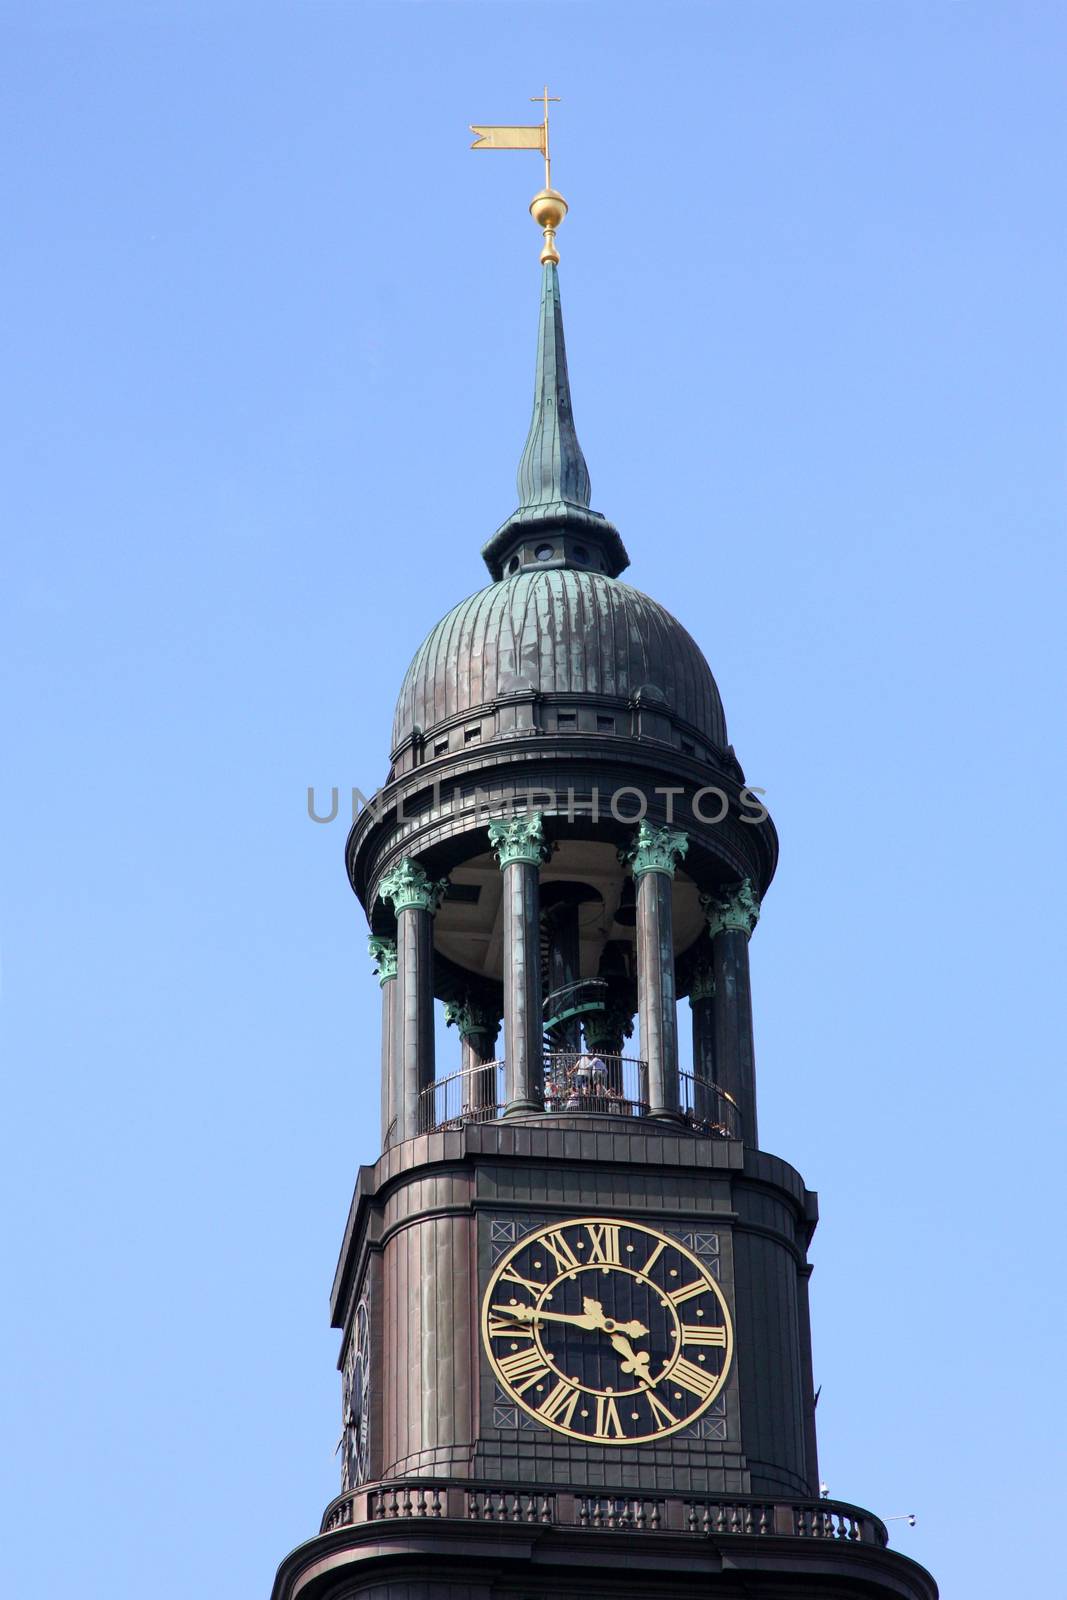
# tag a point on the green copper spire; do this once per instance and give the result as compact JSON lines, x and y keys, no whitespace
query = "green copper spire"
{"x":553,"y":525}
{"x":552,"y":469}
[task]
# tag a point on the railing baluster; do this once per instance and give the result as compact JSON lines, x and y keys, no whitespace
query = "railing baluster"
{"x":518,"y":1503}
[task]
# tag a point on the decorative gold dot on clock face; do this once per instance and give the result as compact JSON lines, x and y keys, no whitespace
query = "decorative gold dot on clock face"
{"x":607,"y":1331}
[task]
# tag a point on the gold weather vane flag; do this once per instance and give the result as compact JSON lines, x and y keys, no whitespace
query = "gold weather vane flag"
{"x":547,"y":208}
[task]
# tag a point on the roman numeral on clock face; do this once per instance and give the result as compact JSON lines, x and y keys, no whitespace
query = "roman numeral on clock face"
{"x":523,"y":1369}
{"x":604,"y":1244}
{"x":560,"y":1251}
{"x":686,"y":1291}
{"x":692,"y":1334}
{"x":653,"y":1258}
{"x":511,"y":1276}
{"x":692,"y":1378}
{"x":505,"y":1328}
{"x":608,"y":1425}
{"x":560,"y":1404}
{"x":663,"y":1417}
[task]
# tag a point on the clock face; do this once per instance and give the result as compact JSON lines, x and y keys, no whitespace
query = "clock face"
{"x":355,"y":1402}
{"x":607,"y":1331}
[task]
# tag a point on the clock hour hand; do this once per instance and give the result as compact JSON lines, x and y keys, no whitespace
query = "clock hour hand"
{"x":635,"y":1329}
{"x":635,"y":1361}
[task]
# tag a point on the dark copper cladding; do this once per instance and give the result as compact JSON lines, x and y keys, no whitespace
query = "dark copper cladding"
{"x":558,"y":633}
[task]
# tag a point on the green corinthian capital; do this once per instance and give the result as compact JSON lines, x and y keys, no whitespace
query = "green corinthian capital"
{"x":408,"y":887}
{"x":655,"y":850}
{"x":733,"y":910}
{"x":383,"y":953}
{"x":470,"y":1018}
{"x":519,"y":839}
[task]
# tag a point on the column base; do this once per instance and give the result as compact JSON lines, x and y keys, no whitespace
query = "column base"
{"x":523,"y":1108}
{"x":674,"y":1117}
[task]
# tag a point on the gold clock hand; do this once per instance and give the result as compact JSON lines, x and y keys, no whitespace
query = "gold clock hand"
{"x":635,"y":1361}
{"x":591,"y":1318}
{"x":531,"y":1314}
{"x":635,"y":1329}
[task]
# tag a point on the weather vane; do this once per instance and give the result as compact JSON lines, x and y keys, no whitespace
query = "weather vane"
{"x":548,"y":207}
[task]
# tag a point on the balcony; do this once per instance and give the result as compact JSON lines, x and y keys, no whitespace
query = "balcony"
{"x":583,"y":1084}
{"x":417,"y":1499}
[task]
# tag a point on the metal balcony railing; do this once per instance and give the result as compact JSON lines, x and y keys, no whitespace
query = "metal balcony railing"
{"x":575,"y":1081}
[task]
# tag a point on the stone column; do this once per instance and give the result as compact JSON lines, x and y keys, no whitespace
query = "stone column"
{"x":652,"y":859}
{"x":478,"y":1029}
{"x":415,"y":899}
{"x":520,"y":849}
{"x":383,"y":954}
{"x":701,"y":1001}
{"x":732,"y":914}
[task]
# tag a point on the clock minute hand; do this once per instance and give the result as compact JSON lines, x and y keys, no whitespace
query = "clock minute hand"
{"x":522,"y":1313}
{"x":591,"y":1318}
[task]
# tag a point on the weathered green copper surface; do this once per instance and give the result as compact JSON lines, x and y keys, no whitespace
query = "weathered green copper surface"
{"x":519,"y":839}
{"x":408,"y":887}
{"x":383,"y":953}
{"x":469,"y":1019}
{"x":655,"y":850}
{"x":553,"y":479}
{"x":552,"y":466}
{"x":734,"y":910}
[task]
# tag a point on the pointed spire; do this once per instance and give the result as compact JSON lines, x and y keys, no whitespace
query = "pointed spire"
{"x":553,"y":467}
{"x":553,"y":479}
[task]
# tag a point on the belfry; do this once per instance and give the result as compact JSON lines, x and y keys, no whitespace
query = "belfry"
{"x":573,"y":1289}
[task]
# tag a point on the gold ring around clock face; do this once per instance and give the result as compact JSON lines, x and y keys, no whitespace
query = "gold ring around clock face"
{"x":607,"y":1331}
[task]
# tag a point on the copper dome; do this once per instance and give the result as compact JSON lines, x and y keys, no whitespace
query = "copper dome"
{"x":558,"y":632}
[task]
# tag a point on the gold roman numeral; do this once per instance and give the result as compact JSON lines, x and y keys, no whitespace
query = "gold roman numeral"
{"x":692,"y":1378}
{"x":653,"y":1258}
{"x":608,"y":1425}
{"x":663,"y":1417}
{"x":509,"y":1275}
{"x":505,"y":1328}
{"x":692,"y":1334}
{"x":686,"y":1291}
{"x":560,"y":1251}
{"x":523,"y":1369}
{"x":604,"y":1244}
{"x":560,"y":1404}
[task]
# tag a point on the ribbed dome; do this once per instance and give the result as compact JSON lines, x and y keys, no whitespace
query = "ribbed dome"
{"x":557,"y":631}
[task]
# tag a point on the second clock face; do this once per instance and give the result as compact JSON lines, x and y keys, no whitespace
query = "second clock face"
{"x":607,"y":1331}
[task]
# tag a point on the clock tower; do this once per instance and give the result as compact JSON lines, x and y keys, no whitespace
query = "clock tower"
{"x":572,"y":1294}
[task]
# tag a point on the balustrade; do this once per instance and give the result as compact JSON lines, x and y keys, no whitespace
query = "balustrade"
{"x":738,"y":1517}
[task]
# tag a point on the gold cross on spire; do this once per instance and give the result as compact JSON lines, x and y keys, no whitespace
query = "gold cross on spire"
{"x":547,"y":208}
{"x":546,"y":100}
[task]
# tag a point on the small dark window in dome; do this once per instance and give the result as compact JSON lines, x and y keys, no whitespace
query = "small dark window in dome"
{"x":581,"y":553}
{"x":605,"y":724}
{"x":568,"y":719}
{"x":544,"y":552}
{"x":688,"y":747}
{"x":513,"y":564}
{"x":441,"y":747}
{"x":472,"y":734}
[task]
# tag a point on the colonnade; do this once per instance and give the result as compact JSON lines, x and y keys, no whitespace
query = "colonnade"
{"x":720,"y":990}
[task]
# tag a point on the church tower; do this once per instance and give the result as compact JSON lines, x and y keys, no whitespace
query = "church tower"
{"x":573,"y":1288}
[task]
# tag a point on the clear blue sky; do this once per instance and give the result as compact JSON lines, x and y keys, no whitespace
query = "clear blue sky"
{"x":269,"y":334}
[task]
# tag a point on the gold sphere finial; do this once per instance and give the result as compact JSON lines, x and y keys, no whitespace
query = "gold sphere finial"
{"x":548,"y":209}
